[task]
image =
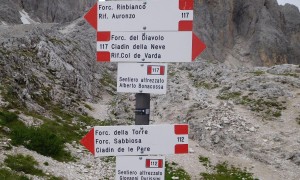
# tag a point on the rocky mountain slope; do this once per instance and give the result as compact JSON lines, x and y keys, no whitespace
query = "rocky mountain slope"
{"x":257,"y":32}
{"x":247,"y":116}
{"x":43,"y":11}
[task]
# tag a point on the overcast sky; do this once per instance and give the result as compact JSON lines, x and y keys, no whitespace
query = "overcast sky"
{"x":295,"y":2}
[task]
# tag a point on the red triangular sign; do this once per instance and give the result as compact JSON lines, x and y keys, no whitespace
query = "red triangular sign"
{"x":91,"y":16}
{"x":89,"y":142}
{"x":198,"y":47}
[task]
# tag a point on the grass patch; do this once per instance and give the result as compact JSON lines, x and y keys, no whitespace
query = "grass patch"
{"x":10,"y":120}
{"x":222,"y":171}
{"x":24,"y":164}
{"x":295,"y":75}
{"x":5,"y":52}
{"x":56,"y":41}
{"x":258,"y":73}
{"x":277,"y":114}
{"x":204,"y":160}
{"x":10,"y":95}
{"x":172,"y":73}
{"x":229,"y":95}
{"x":269,"y":107}
{"x":172,"y":170}
{"x":28,"y":53}
{"x":40,"y":139}
{"x":205,"y":85}
{"x":107,"y":80}
{"x":48,"y":139}
{"x":109,"y":159}
{"x":6,"y":174}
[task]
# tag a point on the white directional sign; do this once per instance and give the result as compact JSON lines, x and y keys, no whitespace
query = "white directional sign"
{"x":142,"y":78}
{"x":144,"y":46}
{"x":137,"y":140}
{"x":140,"y":167}
{"x":147,"y":15}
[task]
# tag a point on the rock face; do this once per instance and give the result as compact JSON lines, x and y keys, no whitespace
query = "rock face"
{"x":9,"y":13}
{"x":56,"y":11}
{"x":258,"y":32}
{"x":44,"y":10}
{"x":33,"y":57}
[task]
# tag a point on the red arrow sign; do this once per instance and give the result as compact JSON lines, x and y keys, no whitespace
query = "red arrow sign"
{"x":141,"y":16}
{"x":137,"y":140}
{"x":198,"y":47}
{"x":175,"y":46}
{"x":88,"y":141}
{"x":91,"y":16}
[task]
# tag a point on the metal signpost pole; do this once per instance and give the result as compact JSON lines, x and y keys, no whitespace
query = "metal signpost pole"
{"x":142,"y":111}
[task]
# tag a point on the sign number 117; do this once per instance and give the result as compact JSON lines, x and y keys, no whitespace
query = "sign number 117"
{"x":185,"y":15}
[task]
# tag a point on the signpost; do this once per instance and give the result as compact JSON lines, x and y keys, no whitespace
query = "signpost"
{"x":135,"y":32}
{"x":142,"y":78}
{"x":141,"y":167}
{"x":147,"y":15}
{"x":137,"y":140}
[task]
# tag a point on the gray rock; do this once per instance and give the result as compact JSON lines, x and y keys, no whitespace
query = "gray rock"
{"x":295,"y":158}
{"x":252,"y":129}
{"x":44,"y":10}
{"x":6,"y":129}
{"x":216,"y":139}
{"x":257,"y":32}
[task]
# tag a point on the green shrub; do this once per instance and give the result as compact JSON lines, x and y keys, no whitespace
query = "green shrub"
{"x":7,"y":117}
{"x":277,"y":114}
{"x":205,"y":161}
{"x":172,"y":170}
{"x":258,"y":72}
{"x":268,"y":107}
{"x":10,"y":120}
{"x":229,"y":95}
{"x":223,"y":172}
{"x":108,"y":159}
{"x":11,"y":96}
{"x":5,"y":174}
{"x":41,"y":140}
{"x":24,"y":164}
{"x":205,"y":85}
